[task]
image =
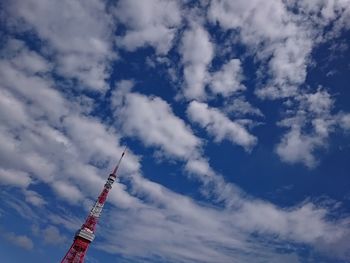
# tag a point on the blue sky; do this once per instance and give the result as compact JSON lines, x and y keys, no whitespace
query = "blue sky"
{"x":236,"y":117}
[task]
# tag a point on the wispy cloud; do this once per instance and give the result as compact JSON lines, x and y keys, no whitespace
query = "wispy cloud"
{"x":220,"y":126}
{"x":22,"y":241}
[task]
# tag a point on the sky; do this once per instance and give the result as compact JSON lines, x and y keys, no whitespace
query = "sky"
{"x":235,"y":115}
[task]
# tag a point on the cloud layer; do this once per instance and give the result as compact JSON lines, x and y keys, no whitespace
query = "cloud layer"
{"x":66,"y":114}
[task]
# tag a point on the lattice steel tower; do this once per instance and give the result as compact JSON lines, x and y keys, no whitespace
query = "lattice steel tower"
{"x":86,"y":234}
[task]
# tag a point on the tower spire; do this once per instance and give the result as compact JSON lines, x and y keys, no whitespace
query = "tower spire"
{"x":120,"y":160}
{"x":86,"y":234}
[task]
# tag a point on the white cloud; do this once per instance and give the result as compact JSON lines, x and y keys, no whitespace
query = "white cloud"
{"x":175,"y":225}
{"x":152,"y":120}
{"x":78,"y":34}
{"x":240,"y":106}
{"x":199,"y":166}
{"x":22,"y":80}
{"x":68,"y":191}
{"x":309,"y":127}
{"x":12,"y":110}
{"x":287,"y":67}
{"x":53,"y":236}
{"x":160,"y":213}
{"x":228,"y":79}
{"x":332,"y":12}
{"x":345,"y":121}
{"x":34,"y":198}
{"x":280,"y":39}
{"x":319,"y":102}
{"x":65,"y":219}
{"x":281,"y":34}
{"x":50,"y":234}
{"x":103,"y":143}
{"x":296,"y":147}
{"x":196,"y":51}
{"x":149,"y":23}
{"x":19,"y":240}
{"x":47,"y":136}
{"x":24,"y":59}
{"x":220,"y":126}
{"x":16,"y":205}
{"x":14,"y":178}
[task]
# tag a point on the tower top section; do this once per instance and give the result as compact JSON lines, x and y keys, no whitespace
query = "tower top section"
{"x":86,"y":234}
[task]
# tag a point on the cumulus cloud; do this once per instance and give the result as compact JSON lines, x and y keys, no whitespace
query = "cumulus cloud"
{"x":309,"y":127}
{"x":228,"y":79}
{"x":149,"y":23}
{"x":296,"y":147}
{"x":42,"y":132}
{"x":278,"y":37}
{"x":283,"y":40}
{"x":152,"y":120}
{"x":334,"y":13}
{"x":269,"y":29}
{"x":197,"y":52}
{"x":78,"y":34}
{"x":220,"y":126}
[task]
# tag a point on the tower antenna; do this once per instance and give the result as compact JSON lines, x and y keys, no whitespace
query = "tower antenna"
{"x":120,"y":160}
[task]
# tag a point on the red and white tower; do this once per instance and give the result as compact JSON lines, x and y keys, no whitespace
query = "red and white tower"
{"x":86,"y":234}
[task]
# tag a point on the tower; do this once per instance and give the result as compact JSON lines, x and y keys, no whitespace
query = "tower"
{"x":86,"y":234}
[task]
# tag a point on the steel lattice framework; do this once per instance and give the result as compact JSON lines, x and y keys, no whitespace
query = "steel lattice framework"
{"x":86,"y":234}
